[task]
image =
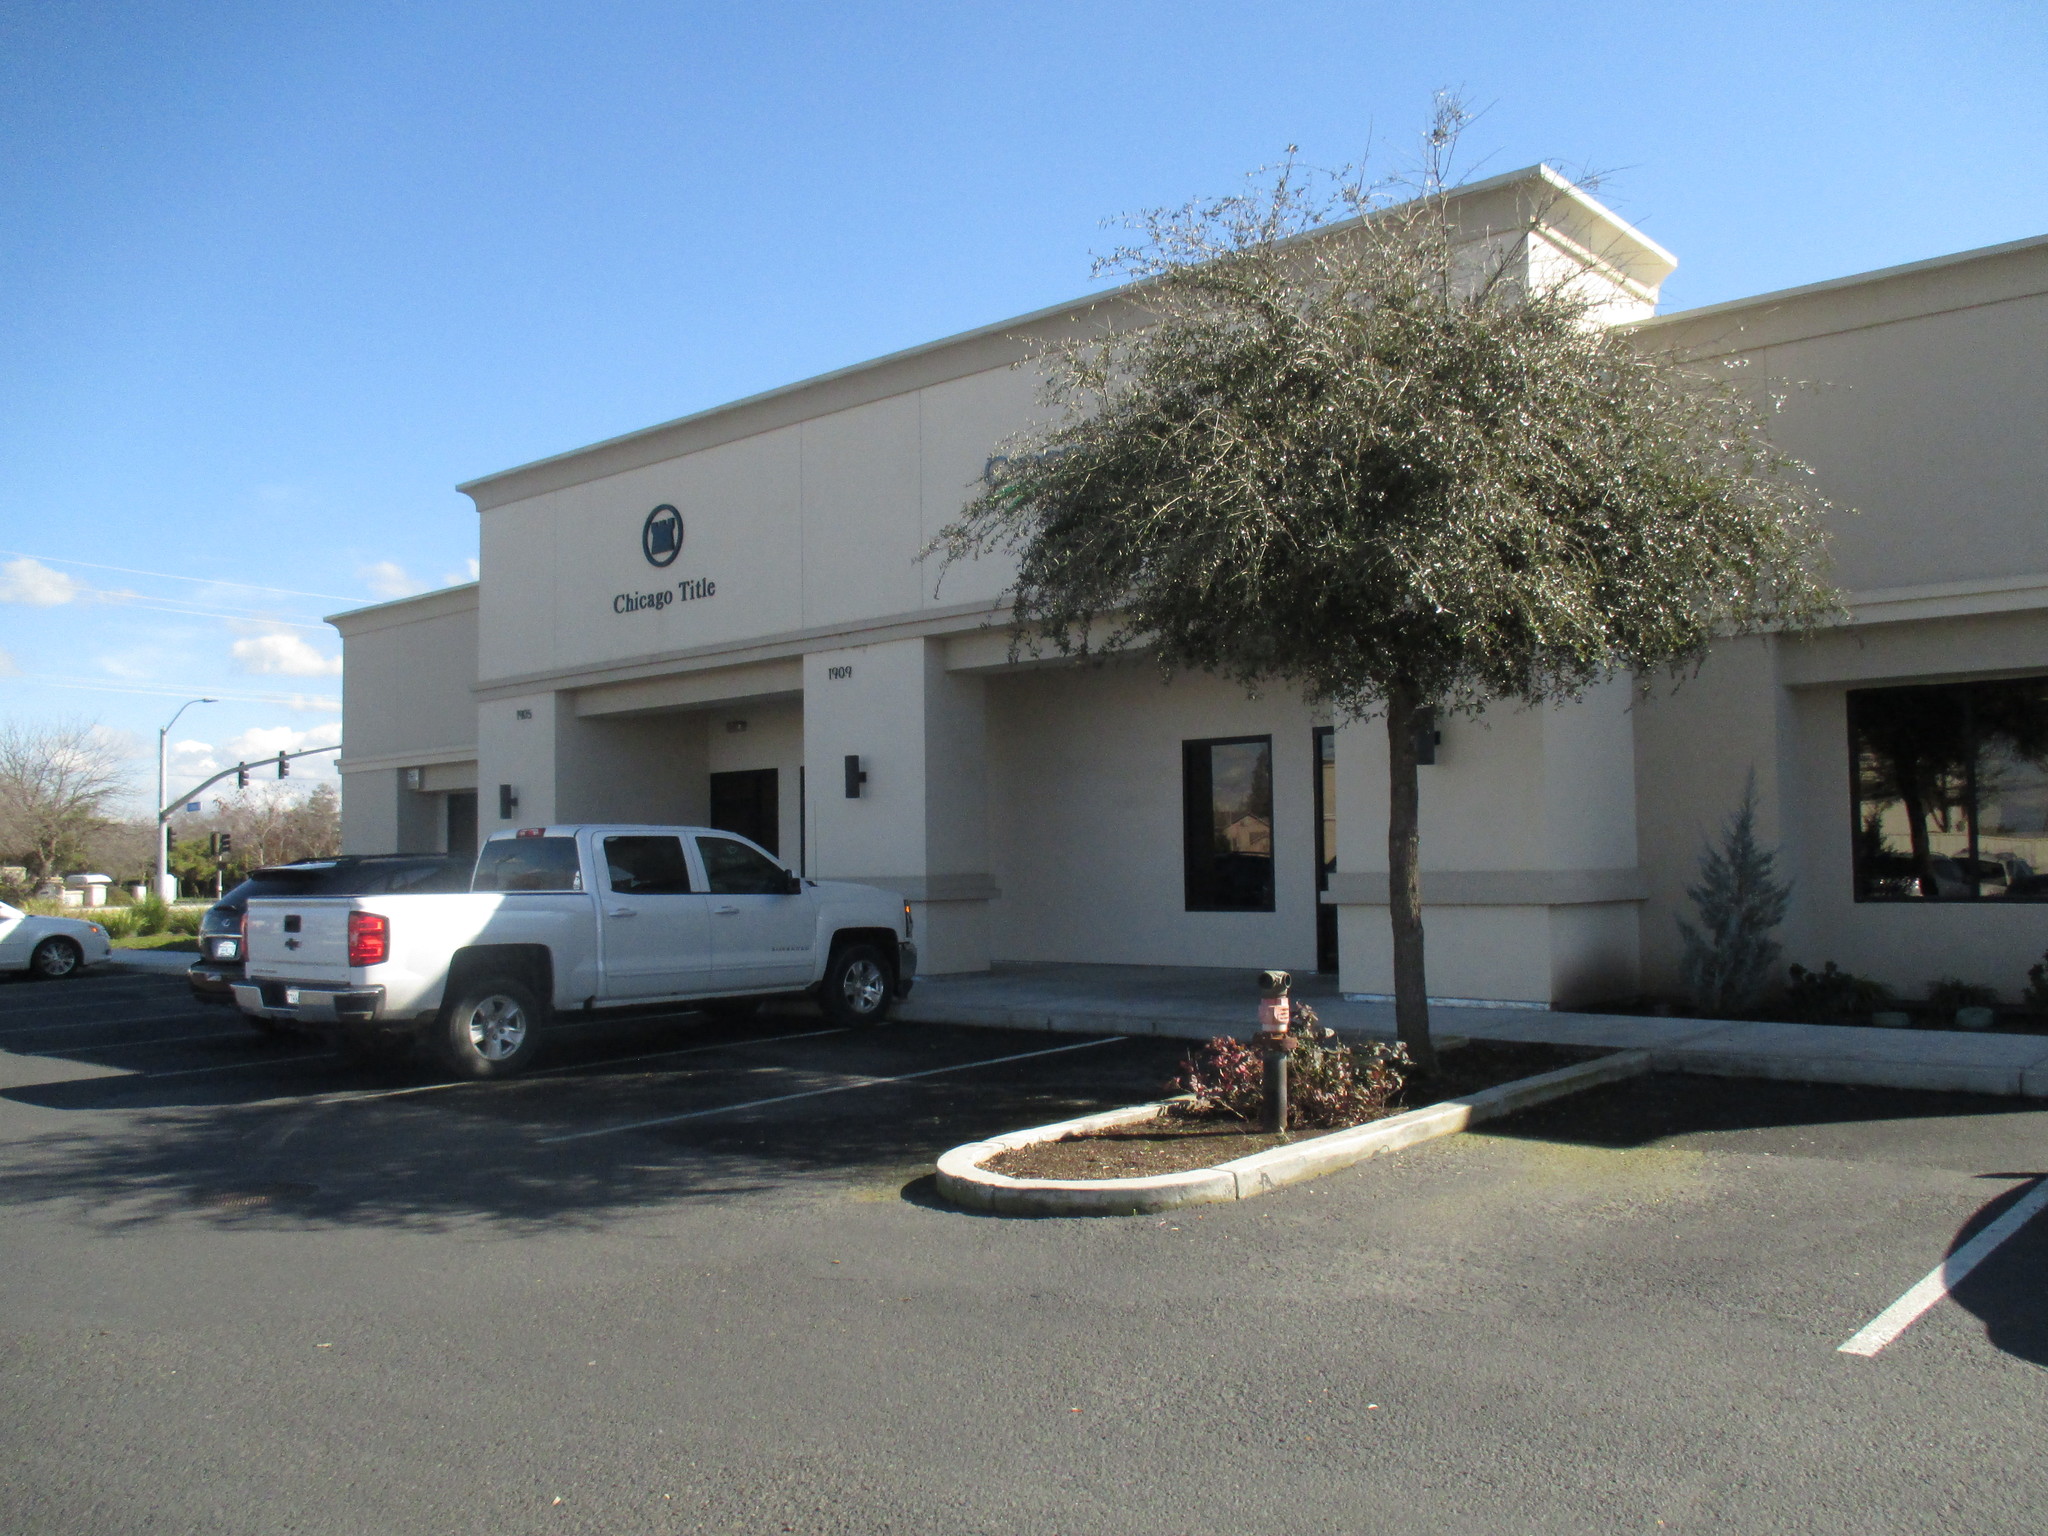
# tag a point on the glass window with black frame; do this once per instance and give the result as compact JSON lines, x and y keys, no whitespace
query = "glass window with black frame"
{"x":647,"y":866}
{"x":528,"y":864}
{"x":1951,"y":786}
{"x":1227,"y":802}
{"x":734,"y":869}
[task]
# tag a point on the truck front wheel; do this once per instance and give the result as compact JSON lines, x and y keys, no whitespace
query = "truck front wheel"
{"x":857,"y":986}
{"x":493,"y":1028}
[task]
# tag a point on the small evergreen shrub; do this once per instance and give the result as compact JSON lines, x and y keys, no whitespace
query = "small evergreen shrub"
{"x":1831,"y":994}
{"x":1330,"y":1084}
{"x":1952,"y":992}
{"x":152,"y":914}
{"x":118,"y":921}
{"x":1730,"y":956}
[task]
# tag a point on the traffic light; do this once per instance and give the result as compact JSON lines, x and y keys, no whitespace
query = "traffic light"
{"x":224,"y":845}
{"x":241,"y":775}
{"x":213,"y":845}
{"x":284,"y":767}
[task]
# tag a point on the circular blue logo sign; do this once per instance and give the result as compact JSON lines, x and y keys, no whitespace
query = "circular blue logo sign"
{"x":661,"y":536}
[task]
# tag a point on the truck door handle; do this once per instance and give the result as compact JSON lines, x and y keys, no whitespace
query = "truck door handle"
{"x":725,"y":911}
{"x":621,"y":911}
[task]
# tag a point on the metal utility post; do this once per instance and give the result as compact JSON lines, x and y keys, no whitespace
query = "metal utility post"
{"x":1276,"y":1017}
{"x":165,"y":890}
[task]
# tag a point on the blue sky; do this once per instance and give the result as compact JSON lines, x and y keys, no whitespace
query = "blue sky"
{"x":274,"y":278}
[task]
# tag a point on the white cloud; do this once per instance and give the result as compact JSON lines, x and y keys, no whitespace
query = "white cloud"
{"x":192,"y":760}
{"x":285,"y":655}
{"x":387,"y":578}
{"x":253,"y":746}
{"x":34,"y":583}
{"x":471,"y":570}
{"x":318,"y":703}
{"x":8,"y":667}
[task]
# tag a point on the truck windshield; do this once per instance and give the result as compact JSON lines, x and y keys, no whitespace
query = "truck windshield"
{"x":528,"y":864}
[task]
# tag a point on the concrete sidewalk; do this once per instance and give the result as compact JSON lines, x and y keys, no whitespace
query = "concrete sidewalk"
{"x":1197,"y":1003}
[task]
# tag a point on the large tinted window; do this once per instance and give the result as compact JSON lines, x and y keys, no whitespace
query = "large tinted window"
{"x":528,"y":864}
{"x":1951,"y":787}
{"x":368,"y":876}
{"x":647,"y":866}
{"x":1227,"y":803}
{"x":734,"y":869}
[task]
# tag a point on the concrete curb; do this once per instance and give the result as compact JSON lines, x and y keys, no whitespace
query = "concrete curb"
{"x":962,"y":1180}
{"x":159,"y":961}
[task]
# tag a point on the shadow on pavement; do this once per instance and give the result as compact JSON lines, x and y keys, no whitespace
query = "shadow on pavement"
{"x":2005,"y":1290}
{"x":480,"y":1155}
{"x":1666,"y":1105}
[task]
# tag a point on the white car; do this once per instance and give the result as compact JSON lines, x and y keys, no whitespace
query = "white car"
{"x":49,"y":947}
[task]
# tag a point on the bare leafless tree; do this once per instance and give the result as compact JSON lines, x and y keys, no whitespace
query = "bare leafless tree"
{"x":56,"y":783}
{"x":267,"y":826}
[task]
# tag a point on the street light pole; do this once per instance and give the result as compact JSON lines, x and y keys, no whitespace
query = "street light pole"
{"x":164,"y":889}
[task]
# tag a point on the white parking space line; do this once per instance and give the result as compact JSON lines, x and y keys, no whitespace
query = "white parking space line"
{"x":354,"y":1096}
{"x":1944,"y":1277}
{"x":97,"y":999}
{"x":813,"y":1093}
{"x":44,"y":1029}
{"x":135,"y":1045}
{"x":233,"y":1066}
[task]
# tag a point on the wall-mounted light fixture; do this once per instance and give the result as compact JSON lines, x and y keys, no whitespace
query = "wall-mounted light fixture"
{"x":508,"y":801}
{"x":415,"y":778}
{"x":855,"y":776}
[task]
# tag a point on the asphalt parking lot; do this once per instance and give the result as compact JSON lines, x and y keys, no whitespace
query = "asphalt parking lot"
{"x":691,"y":1277}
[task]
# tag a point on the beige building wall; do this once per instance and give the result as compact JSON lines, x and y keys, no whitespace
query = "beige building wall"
{"x":1530,"y":882}
{"x":1917,"y":397}
{"x":1085,"y":819}
{"x":408,"y":713}
{"x":1032,"y":812}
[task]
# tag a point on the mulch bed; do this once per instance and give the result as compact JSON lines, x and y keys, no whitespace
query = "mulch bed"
{"x":1178,"y":1145}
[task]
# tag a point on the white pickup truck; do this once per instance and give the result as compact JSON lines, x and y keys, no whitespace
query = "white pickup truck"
{"x":574,"y":919}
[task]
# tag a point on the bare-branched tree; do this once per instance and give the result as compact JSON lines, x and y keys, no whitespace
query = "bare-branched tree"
{"x":56,"y":783}
{"x":268,"y":825}
{"x":1346,"y":448}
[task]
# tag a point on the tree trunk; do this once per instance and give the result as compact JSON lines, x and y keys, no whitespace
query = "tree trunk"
{"x":1404,"y":888}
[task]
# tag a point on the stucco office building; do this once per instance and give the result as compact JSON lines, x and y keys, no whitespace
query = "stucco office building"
{"x":707,"y":620}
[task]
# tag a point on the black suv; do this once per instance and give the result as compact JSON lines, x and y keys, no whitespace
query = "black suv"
{"x":219,"y":966}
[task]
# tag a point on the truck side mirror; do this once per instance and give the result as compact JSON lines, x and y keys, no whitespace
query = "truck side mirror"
{"x":793,"y":885}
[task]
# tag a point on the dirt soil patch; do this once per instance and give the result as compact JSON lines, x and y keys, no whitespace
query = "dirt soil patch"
{"x":1177,"y":1145}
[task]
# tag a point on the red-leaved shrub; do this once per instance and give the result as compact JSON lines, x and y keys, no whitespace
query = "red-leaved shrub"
{"x":1329,"y":1083}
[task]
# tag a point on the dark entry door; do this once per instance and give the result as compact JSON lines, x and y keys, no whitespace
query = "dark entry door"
{"x":747,"y":803}
{"x":1326,"y":845}
{"x":462,"y":823}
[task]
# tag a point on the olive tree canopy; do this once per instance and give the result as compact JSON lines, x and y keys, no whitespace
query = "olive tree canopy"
{"x":1343,"y":446}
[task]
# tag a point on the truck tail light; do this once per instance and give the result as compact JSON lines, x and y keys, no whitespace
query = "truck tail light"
{"x":908,"y":930}
{"x":369,"y":938}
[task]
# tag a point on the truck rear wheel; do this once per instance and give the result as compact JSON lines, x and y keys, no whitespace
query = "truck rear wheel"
{"x":493,"y":1028}
{"x":857,"y":986}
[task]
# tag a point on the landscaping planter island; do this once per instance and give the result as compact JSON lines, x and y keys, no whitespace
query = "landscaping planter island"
{"x":963,"y":1178}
